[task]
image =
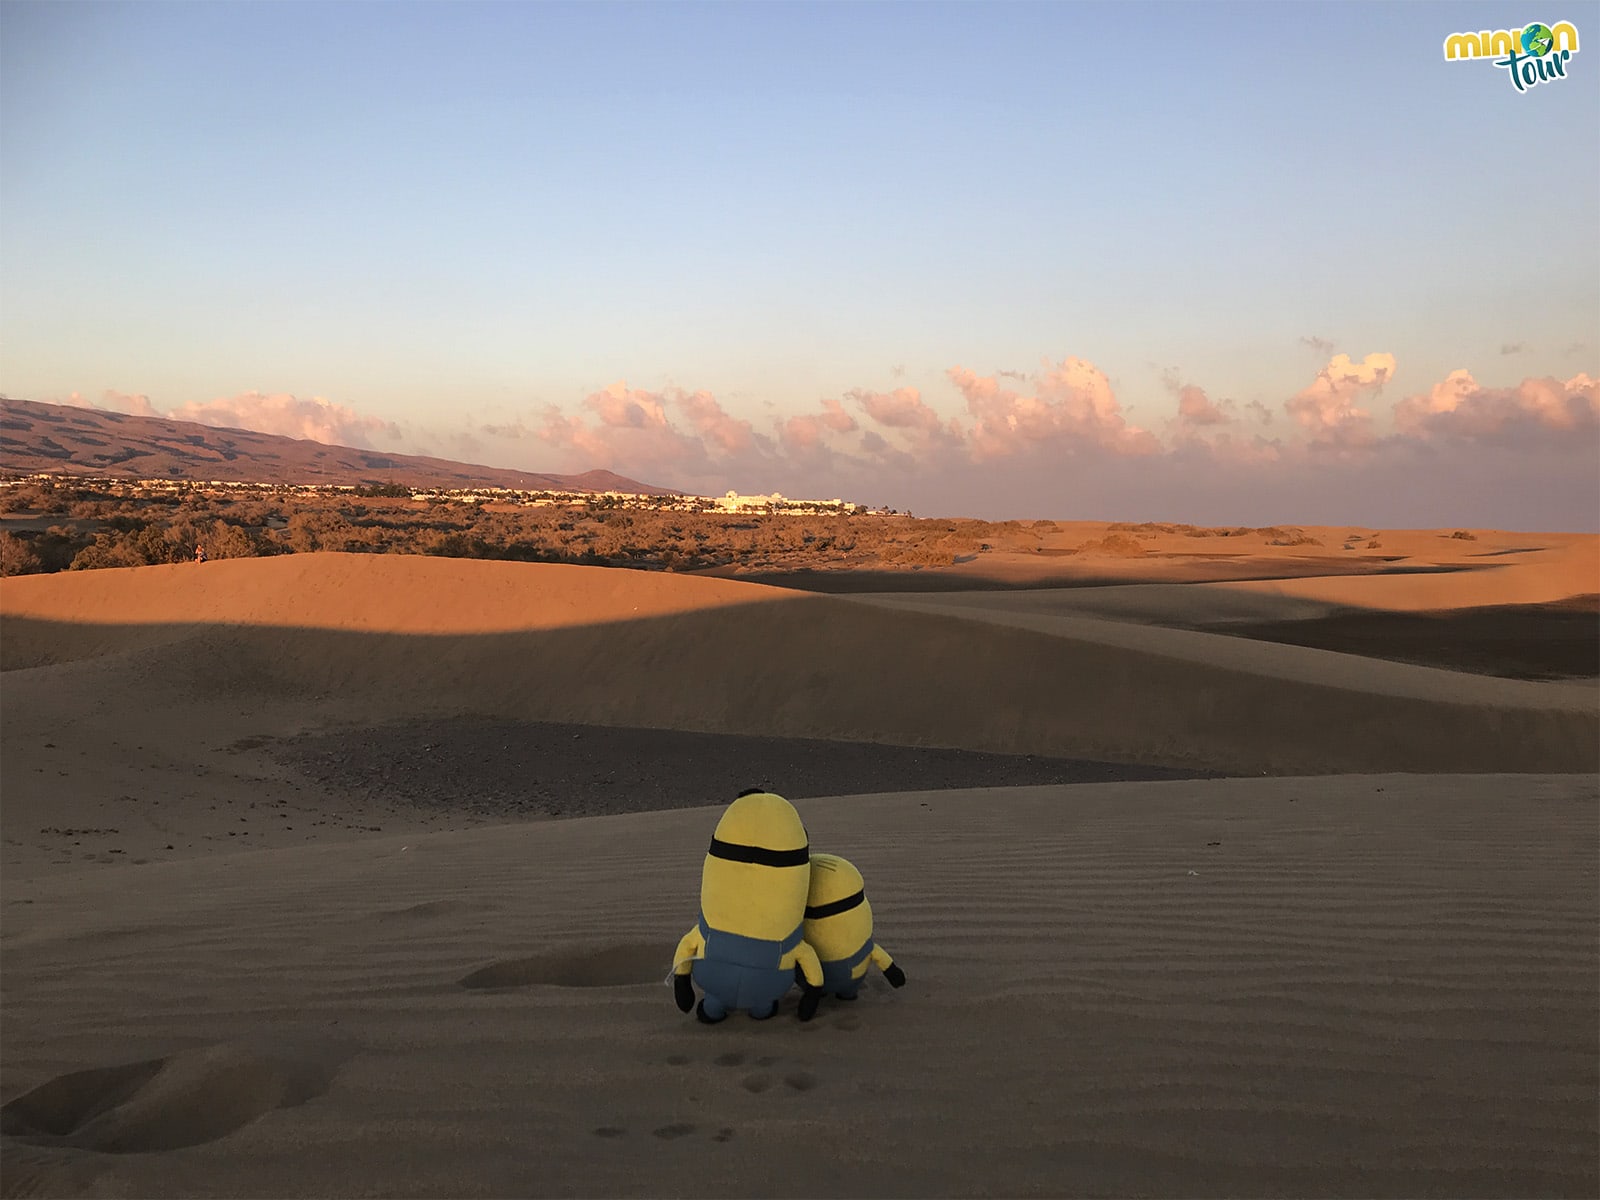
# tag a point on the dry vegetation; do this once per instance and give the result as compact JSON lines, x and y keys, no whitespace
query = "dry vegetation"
{"x":1274,"y":535}
{"x":70,"y":525}
{"x":1119,"y":544}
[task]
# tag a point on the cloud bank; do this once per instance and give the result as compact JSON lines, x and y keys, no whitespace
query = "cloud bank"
{"x":1056,"y":442}
{"x":315,"y":420}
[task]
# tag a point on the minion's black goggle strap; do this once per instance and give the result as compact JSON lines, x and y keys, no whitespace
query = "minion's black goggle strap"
{"x":760,"y":855}
{"x":834,"y":908}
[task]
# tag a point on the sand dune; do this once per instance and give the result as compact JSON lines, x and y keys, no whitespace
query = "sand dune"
{"x":1316,"y":668}
{"x":381,"y":637}
{"x":1355,"y":984}
{"x":1408,"y":569}
{"x":1529,"y":571}
{"x":1348,"y":986}
{"x":370,"y":593}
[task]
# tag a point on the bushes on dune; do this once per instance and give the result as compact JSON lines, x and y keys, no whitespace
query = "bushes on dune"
{"x":115,"y":531}
{"x":1119,"y":545}
{"x":17,"y":557}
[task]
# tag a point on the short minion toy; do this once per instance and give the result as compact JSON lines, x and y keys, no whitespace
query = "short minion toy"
{"x":747,"y":949}
{"x":839,"y":926}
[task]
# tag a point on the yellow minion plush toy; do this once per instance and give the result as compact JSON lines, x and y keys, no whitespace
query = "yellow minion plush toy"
{"x":838,"y":926}
{"x":747,"y":950}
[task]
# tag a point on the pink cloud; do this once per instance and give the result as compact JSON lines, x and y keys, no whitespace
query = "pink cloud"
{"x":620,"y":408}
{"x":316,"y":419}
{"x":727,"y":435}
{"x":558,"y":430}
{"x":895,"y":447}
{"x":1058,"y":442}
{"x":671,"y":435}
{"x":1071,"y":406}
{"x":802,"y":434}
{"x":1326,"y":409}
{"x":1196,"y":410}
{"x":808,"y":432}
{"x":913,"y":435}
{"x":281,"y":414}
{"x":123,"y":402}
{"x":1459,"y":407}
{"x":902,"y":408}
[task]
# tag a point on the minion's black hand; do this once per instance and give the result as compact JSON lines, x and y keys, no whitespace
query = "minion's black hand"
{"x":683,"y":992}
{"x":895,"y":976}
{"x":809,"y":1000}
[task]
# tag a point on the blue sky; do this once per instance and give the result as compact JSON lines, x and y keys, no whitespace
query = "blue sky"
{"x":532,"y":235}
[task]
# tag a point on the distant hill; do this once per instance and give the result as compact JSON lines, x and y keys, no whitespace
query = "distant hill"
{"x":64,"y":440}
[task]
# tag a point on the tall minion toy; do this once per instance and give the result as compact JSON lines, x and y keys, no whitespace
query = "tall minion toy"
{"x":747,"y":949}
{"x":839,"y":926}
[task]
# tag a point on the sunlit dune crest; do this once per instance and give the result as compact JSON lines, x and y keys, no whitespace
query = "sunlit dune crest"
{"x":372,"y":593}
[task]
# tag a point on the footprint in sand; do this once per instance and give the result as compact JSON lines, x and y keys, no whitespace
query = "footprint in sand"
{"x":187,"y":1099}
{"x":760,"y":1081}
{"x":668,"y":1132}
{"x":734,"y":1058}
{"x":755,"y":1082}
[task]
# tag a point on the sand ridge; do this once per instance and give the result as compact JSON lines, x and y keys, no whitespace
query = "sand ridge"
{"x":1407,"y":569}
{"x":753,"y":659}
{"x":374,"y":593}
{"x":1033,"y":611}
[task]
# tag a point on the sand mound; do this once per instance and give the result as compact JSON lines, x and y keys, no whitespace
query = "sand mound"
{"x":1301,"y":664}
{"x":370,"y":593}
{"x":1360,"y":986}
{"x":294,"y":636}
{"x":1531,"y":569}
{"x":183,"y":1100}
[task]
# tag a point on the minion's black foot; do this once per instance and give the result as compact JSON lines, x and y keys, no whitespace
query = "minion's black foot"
{"x":706,"y":1018}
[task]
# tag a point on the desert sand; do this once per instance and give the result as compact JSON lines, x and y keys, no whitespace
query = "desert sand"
{"x":337,"y":875}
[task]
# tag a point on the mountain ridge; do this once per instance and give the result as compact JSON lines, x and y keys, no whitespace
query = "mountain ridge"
{"x":60,"y":439}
